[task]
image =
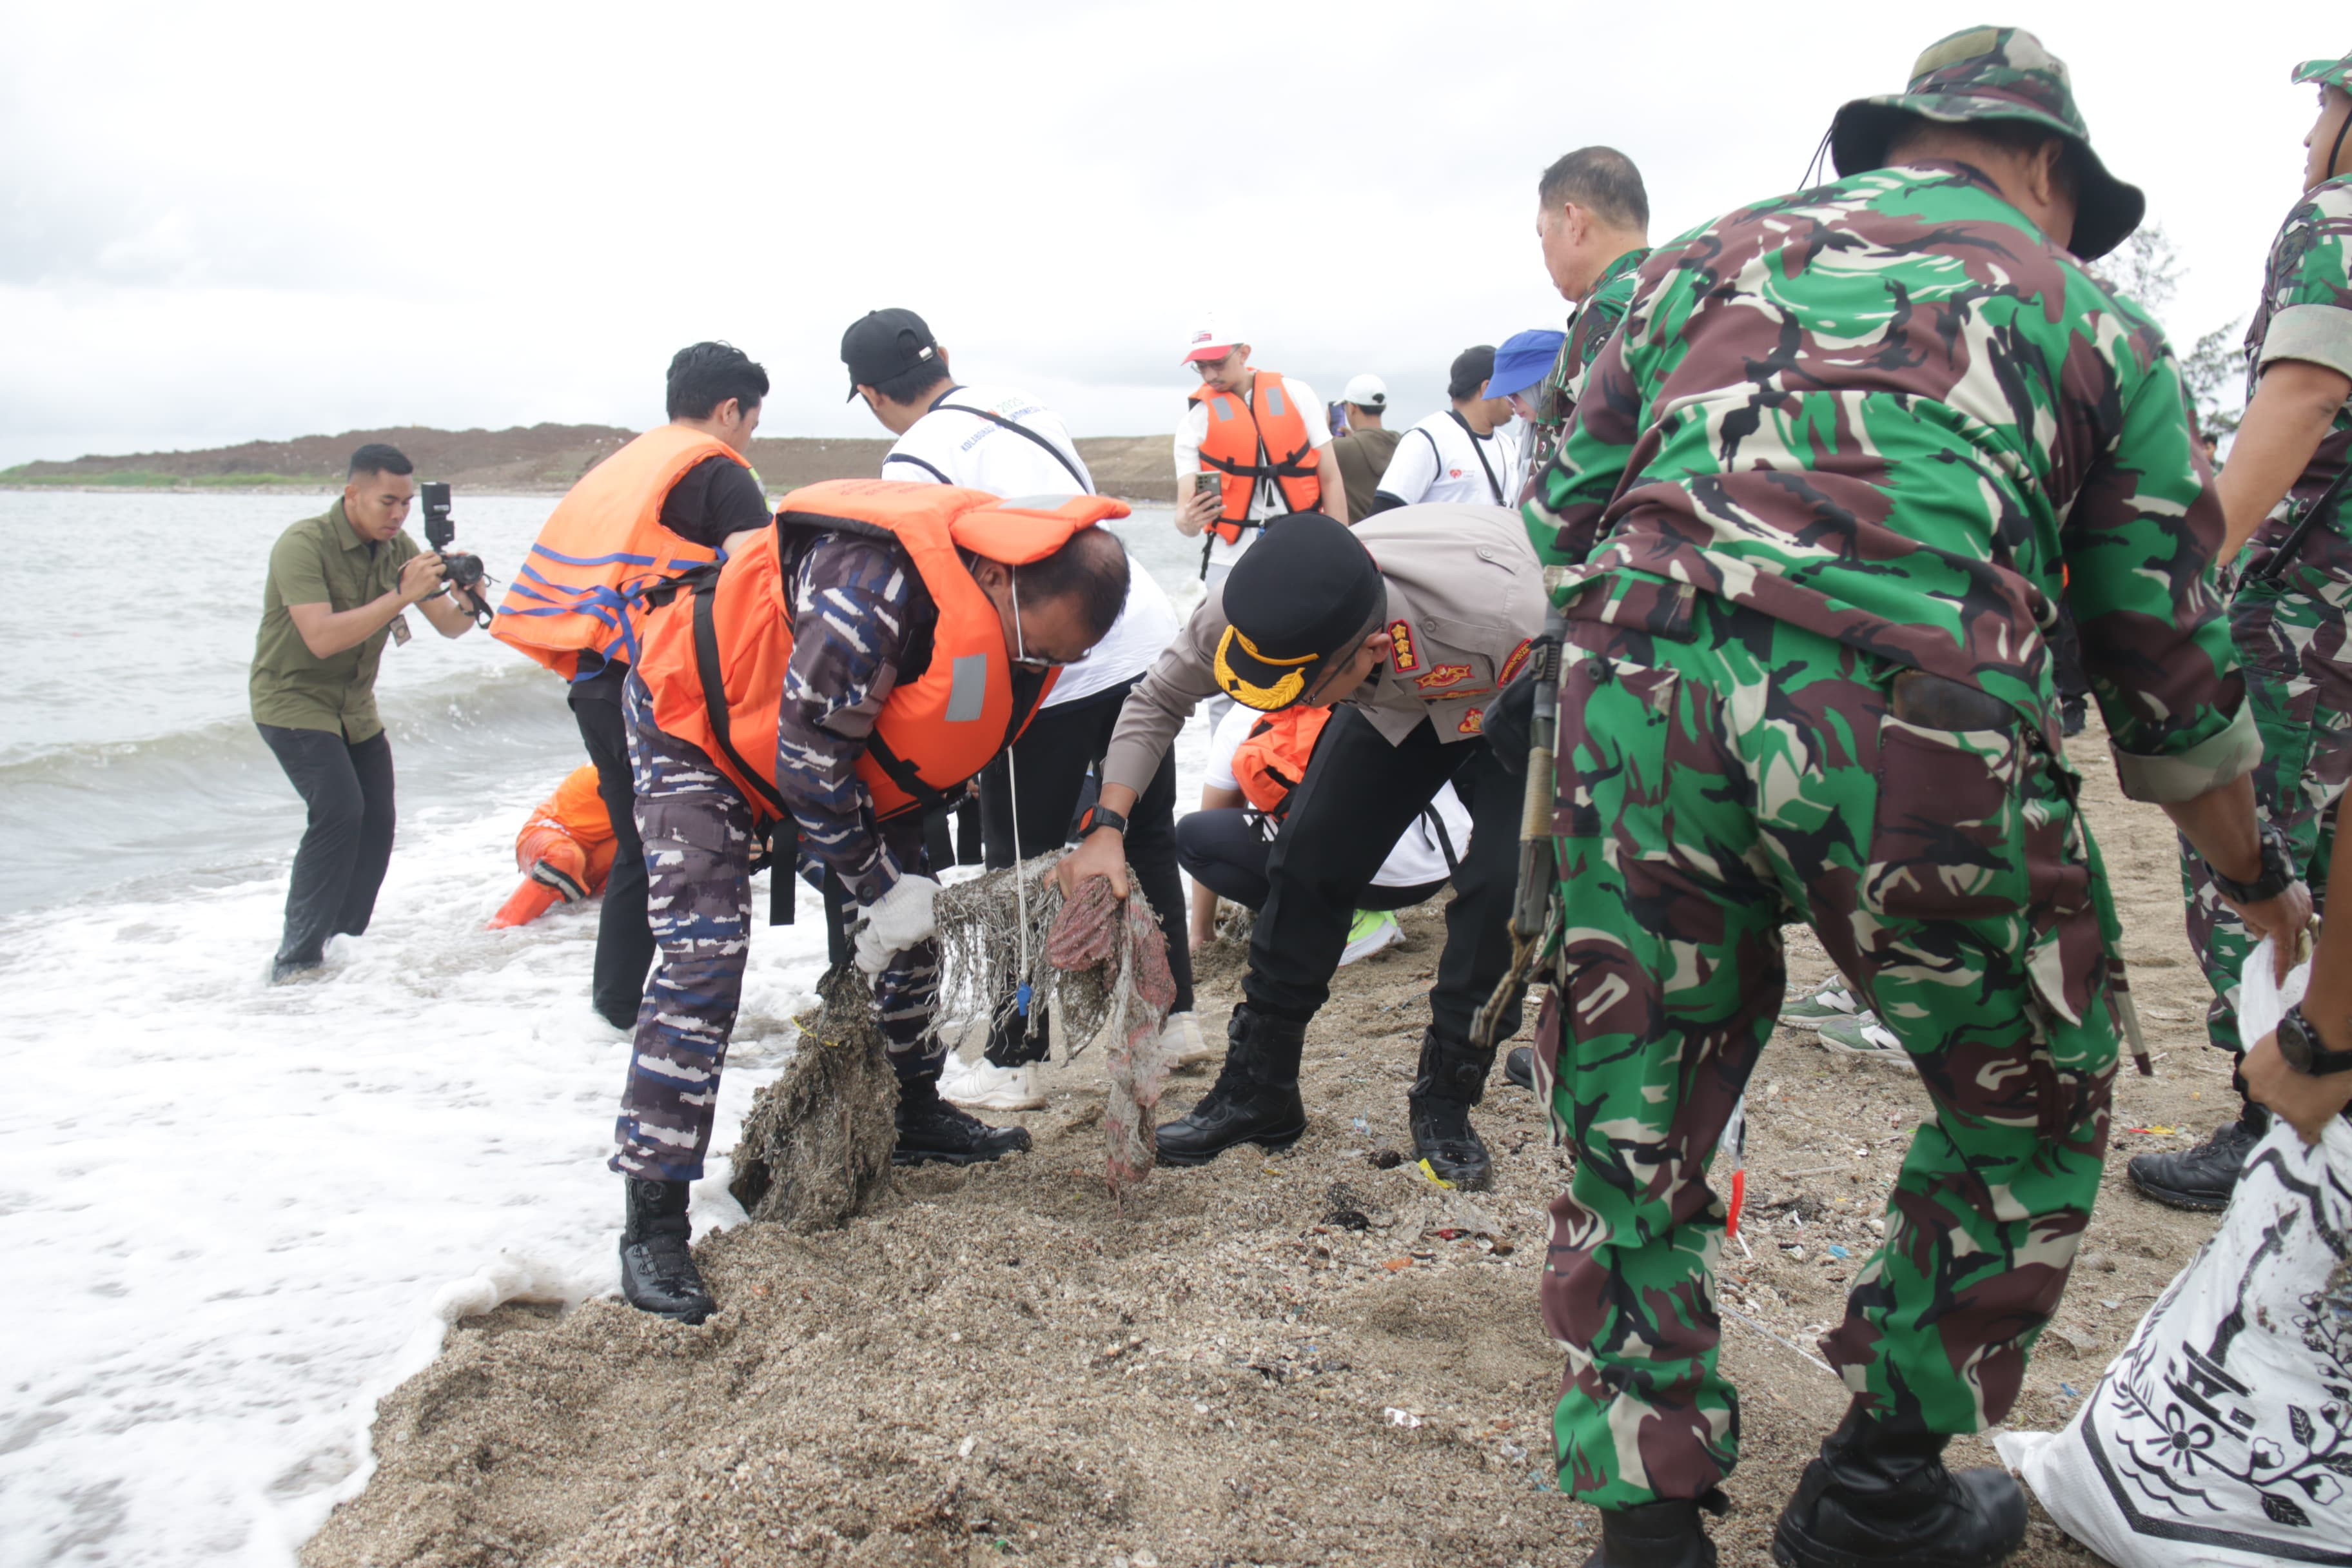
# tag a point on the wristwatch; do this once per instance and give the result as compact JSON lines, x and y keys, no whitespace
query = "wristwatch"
{"x":1101,"y":815}
{"x":2299,"y":1043}
{"x":2277,"y":876}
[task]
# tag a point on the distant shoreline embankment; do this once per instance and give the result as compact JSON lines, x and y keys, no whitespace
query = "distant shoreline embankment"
{"x":539,"y":459}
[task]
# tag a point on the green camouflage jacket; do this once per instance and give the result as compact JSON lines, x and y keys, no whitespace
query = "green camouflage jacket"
{"x":2306,"y":314}
{"x":1888,"y":410}
{"x":1611,"y":292}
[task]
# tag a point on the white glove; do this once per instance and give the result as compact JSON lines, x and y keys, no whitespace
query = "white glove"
{"x":895,"y":923}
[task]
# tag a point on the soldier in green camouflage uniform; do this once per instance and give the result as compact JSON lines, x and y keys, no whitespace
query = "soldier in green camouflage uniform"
{"x":1808,"y":525}
{"x":1593,"y":221}
{"x":2290,"y":615}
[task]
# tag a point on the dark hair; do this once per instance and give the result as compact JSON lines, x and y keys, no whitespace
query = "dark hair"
{"x":913,"y":382}
{"x":376,"y":457}
{"x":1473,"y":368}
{"x":1600,"y":178}
{"x":2019,"y":136}
{"x":704,"y":376}
{"x":1091,"y":568}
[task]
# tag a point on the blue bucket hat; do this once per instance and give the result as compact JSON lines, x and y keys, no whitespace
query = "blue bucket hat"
{"x":1524,"y":358}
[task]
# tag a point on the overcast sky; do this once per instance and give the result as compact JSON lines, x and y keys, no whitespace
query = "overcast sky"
{"x":242,"y":220}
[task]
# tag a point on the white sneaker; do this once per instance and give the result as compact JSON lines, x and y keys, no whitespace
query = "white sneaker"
{"x":984,"y":1086}
{"x":1370,"y":932}
{"x":1181,"y":1042}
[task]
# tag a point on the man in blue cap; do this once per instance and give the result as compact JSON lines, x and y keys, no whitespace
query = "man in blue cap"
{"x":1521,"y":367}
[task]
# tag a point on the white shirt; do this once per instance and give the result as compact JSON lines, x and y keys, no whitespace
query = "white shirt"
{"x":1418,"y":858}
{"x":1440,"y":460}
{"x":950,"y":446}
{"x":1268,"y":499}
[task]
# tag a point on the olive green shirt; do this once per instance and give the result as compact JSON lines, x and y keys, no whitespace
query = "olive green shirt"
{"x":322,"y":560}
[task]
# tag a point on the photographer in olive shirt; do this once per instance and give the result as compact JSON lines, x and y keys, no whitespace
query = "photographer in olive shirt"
{"x":338,"y":583}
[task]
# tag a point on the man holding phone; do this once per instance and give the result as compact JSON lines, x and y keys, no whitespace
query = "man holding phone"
{"x":1254,"y":445}
{"x":339,"y":585}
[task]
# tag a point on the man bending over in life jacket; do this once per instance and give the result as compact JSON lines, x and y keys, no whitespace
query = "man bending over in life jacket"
{"x":878,"y":646}
{"x":1413,"y":621}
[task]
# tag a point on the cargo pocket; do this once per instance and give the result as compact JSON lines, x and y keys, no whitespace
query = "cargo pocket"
{"x":1947,"y":841}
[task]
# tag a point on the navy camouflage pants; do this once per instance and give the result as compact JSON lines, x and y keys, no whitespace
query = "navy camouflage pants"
{"x":697,"y":832}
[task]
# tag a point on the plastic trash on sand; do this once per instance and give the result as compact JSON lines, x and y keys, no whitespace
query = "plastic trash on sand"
{"x":2223,"y":1434}
{"x":2262,"y":1000}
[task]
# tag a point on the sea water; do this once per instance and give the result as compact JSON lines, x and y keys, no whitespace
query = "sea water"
{"x":235,"y":1214}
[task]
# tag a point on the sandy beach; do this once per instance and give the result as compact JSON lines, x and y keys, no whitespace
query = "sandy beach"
{"x":1306,"y":1359}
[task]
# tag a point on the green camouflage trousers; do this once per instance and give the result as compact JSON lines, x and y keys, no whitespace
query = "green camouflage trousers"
{"x":1721,"y":774}
{"x":2292,"y":644}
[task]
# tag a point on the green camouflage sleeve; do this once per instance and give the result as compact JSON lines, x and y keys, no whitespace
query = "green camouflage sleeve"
{"x":2308,"y":310}
{"x":1564,"y":516}
{"x":2139,"y":544}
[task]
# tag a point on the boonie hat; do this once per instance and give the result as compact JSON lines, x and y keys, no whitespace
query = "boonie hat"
{"x":1994,"y":73}
{"x":1367,"y":391}
{"x":884,"y":343}
{"x":1524,"y":358}
{"x":1306,"y":592}
{"x":2327,"y":73}
{"x":1211,"y":340}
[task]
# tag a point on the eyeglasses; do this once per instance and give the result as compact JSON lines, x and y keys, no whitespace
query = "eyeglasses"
{"x":1021,"y":654}
{"x":1211,"y":366}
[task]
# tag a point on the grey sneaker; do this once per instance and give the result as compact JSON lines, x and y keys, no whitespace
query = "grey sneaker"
{"x":1861,"y":1035}
{"x":1832,"y":998}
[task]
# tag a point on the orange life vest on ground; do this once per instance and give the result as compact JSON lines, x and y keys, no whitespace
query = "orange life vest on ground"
{"x":571,"y":832}
{"x":604,"y":540}
{"x":1272,"y":758}
{"x":1263,"y":438}
{"x":714,"y":656}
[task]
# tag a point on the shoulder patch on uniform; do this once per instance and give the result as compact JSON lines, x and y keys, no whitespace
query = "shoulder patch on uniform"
{"x":1443,"y":676}
{"x":1406,"y":657}
{"x":1511,"y":664}
{"x":1474,"y":723}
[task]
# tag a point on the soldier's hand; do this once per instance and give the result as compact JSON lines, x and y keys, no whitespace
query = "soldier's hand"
{"x":2308,"y":1104}
{"x":1102,"y":853}
{"x":2284,"y":920}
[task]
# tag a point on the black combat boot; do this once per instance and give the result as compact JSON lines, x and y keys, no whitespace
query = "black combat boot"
{"x":1255,"y":1097}
{"x":1519,"y":1067}
{"x":657,"y":1272}
{"x":2202,"y":1177}
{"x":929,"y":1130}
{"x":1452,"y":1080}
{"x":1880,"y":1493}
{"x":1665,"y":1534}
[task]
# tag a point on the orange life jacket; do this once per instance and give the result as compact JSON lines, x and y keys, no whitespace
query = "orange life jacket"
{"x":1263,"y":438}
{"x":714,"y":656}
{"x":1272,"y":758}
{"x":571,"y":831}
{"x":605,"y":540}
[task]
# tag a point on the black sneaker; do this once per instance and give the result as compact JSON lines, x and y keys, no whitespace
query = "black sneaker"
{"x":1664,"y":1534}
{"x":932,"y":1131}
{"x":1879,"y":1494}
{"x":1519,"y":1067}
{"x":1452,"y":1079}
{"x":1255,"y":1097}
{"x":2201,"y":1178}
{"x":658,"y":1271}
{"x":2074,"y":712}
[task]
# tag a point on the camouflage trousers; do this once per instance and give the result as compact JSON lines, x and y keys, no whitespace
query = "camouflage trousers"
{"x":698,"y":834}
{"x":1722,"y":773}
{"x":2292,"y":646}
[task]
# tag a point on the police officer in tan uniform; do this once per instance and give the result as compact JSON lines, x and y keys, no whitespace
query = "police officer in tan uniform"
{"x":1411,"y":623}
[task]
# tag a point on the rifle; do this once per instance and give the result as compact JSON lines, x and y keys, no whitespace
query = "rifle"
{"x":2309,"y":519}
{"x":1534,"y":904}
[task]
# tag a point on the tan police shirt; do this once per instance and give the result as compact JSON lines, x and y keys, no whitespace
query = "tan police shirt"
{"x":1465,"y":601}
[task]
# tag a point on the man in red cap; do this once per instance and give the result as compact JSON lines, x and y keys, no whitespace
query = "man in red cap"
{"x":1264,"y":442}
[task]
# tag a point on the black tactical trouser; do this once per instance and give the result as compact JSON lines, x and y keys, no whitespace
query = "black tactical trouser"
{"x":1358,"y":796}
{"x":1052,"y":756}
{"x":624,"y":939}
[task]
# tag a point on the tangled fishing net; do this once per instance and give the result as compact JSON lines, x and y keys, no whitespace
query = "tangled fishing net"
{"x":817,"y":1142}
{"x":1099,"y":961}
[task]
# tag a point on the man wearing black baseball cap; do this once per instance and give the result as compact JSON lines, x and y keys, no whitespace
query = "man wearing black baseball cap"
{"x":1412,"y":623}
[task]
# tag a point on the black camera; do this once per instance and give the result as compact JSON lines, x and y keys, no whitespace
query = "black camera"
{"x":462,"y":572}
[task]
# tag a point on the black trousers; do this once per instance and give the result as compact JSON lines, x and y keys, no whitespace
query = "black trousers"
{"x":1052,"y":756}
{"x":625,"y":937}
{"x":1359,"y":793}
{"x":1226,"y":852}
{"x":348,"y":843}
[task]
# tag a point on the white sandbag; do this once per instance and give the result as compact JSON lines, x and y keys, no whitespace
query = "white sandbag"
{"x":2223,"y":1433}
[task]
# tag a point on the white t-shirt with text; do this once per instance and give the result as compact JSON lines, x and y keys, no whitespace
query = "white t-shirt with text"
{"x":1267,"y":500}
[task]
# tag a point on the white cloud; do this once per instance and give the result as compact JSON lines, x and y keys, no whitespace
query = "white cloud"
{"x":252,"y":220}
